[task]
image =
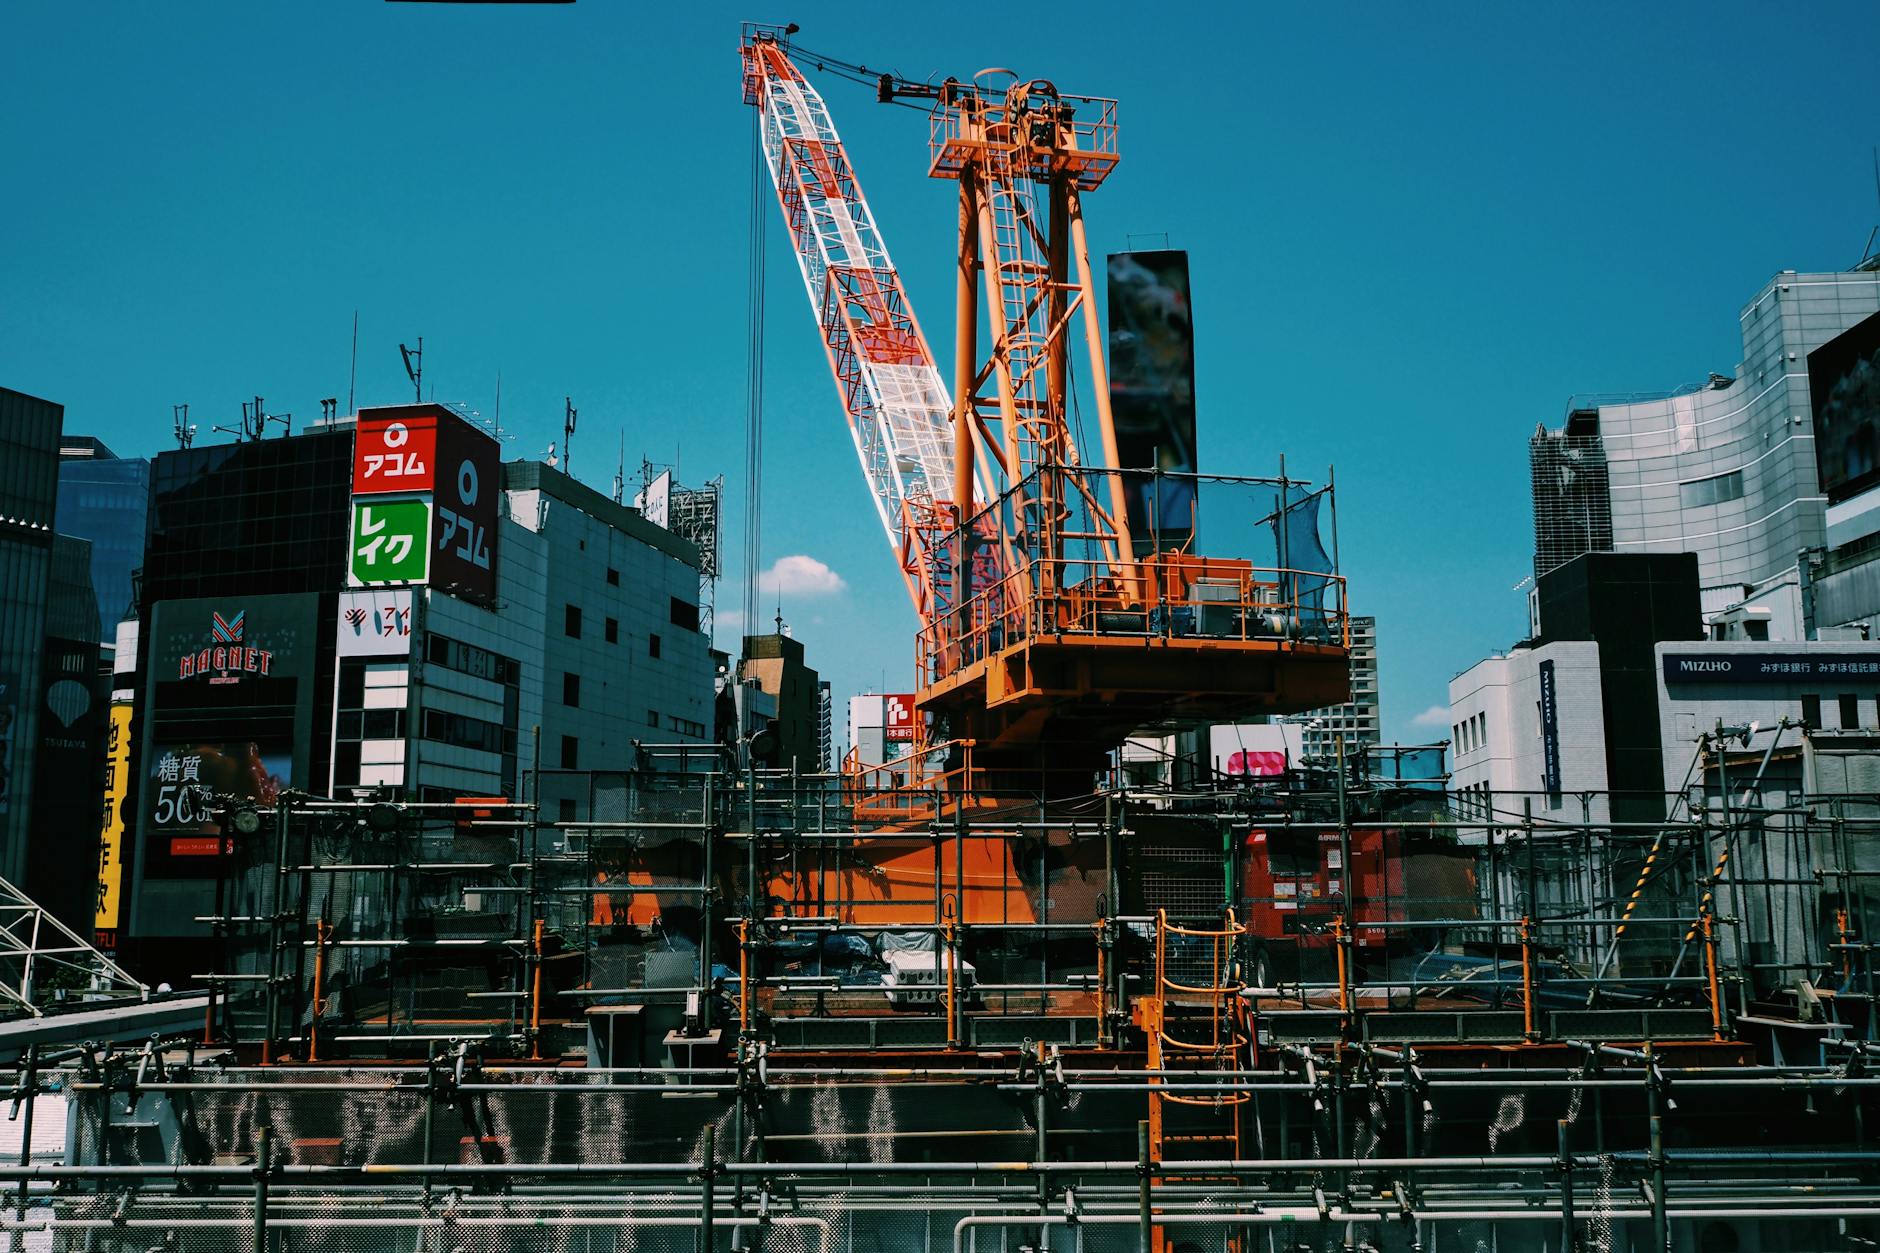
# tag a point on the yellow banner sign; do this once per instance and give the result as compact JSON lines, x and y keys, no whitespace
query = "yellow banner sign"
{"x":117,"y":773}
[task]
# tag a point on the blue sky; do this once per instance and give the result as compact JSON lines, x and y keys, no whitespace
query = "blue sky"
{"x":1415,"y":230}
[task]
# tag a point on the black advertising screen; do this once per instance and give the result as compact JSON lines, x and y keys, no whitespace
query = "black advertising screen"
{"x":1844,"y":391}
{"x":468,"y":497}
{"x":1152,"y":392}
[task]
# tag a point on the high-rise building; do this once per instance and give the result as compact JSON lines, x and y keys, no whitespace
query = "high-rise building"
{"x":29,"y":488}
{"x":105,"y":498}
{"x":1725,"y":469}
{"x":1358,"y":719}
{"x":72,"y":699}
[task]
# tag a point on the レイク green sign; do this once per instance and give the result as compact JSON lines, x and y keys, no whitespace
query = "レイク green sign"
{"x":390,"y":540}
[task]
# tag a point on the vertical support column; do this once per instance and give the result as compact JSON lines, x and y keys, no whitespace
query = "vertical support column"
{"x":1566,"y":1191}
{"x":1146,"y":1225}
{"x":264,"y":1164}
{"x":965,"y":369}
{"x":707,"y":1179}
{"x":708,"y":829}
{"x":1100,"y":385}
{"x":535,"y":992}
{"x":1661,"y":1223}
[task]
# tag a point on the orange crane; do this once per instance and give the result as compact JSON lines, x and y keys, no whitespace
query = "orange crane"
{"x":1053,"y":622}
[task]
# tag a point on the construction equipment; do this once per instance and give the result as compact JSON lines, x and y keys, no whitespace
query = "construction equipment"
{"x":1060,"y":609}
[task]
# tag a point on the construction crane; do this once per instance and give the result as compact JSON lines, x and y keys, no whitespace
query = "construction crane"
{"x":1060,"y":607}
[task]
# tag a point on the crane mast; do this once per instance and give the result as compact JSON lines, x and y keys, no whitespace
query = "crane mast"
{"x":1061,"y":606}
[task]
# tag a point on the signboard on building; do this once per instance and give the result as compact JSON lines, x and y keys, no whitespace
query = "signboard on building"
{"x":1550,"y":729}
{"x":395,"y":450}
{"x":427,"y":497}
{"x":374,"y":622}
{"x":391,"y":541}
{"x":1771,"y":667}
{"x":1844,"y":394}
{"x":898,"y":718}
{"x":117,"y":777}
{"x":189,"y":782}
{"x":468,"y":499}
{"x":1152,"y":392}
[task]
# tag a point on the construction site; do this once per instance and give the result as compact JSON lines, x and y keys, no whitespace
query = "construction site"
{"x":1001,"y":993}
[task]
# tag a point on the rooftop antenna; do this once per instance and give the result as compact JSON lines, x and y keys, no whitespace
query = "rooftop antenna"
{"x":496,"y":420}
{"x":185,"y":429}
{"x":620,"y":471}
{"x":567,"y":436}
{"x":255,"y":419}
{"x":329,"y":409}
{"x":352,"y":382}
{"x":1869,"y":259}
{"x":414,"y":367}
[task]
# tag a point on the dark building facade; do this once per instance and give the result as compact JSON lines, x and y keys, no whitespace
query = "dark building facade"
{"x":29,"y":489}
{"x":1626,"y":603}
{"x":67,"y":777}
{"x":238,"y":603}
{"x":105,"y":498}
{"x":775,"y":664}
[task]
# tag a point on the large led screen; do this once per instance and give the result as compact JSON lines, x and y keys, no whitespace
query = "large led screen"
{"x":1844,"y":391}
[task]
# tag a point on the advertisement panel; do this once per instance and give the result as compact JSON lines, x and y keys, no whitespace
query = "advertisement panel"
{"x":1550,"y":730}
{"x":1844,"y":393}
{"x":228,"y":707}
{"x":467,"y":498}
{"x":1769,"y":667}
{"x":395,"y":450}
{"x":897,"y":718}
{"x":390,"y":541}
{"x":1152,"y":392}
{"x":374,"y":623}
{"x":117,"y":777}
{"x":190,"y":781}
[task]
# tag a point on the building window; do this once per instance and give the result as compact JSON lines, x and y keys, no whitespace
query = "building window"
{"x":1811,"y":713}
{"x":684,"y":614}
{"x":652,"y":646}
{"x":565,"y":809}
{"x":613,"y":577}
{"x":571,"y":622}
{"x":652,"y":717}
{"x":1755,"y":629}
{"x":1850,"y":712}
{"x":570,"y":752}
{"x":571,"y":690}
{"x":1711,"y":491}
{"x":613,"y":630}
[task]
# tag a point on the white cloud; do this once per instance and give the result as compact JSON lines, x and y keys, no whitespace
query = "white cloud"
{"x":1434,"y":716}
{"x":800,"y":575}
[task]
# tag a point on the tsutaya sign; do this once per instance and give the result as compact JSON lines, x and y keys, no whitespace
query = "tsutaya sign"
{"x":1771,"y":667}
{"x":427,"y":487}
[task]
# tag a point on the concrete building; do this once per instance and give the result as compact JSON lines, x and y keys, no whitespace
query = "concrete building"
{"x":1725,"y":469}
{"x":775,"y":664}
{"x":105,"y":498}
{"x":1575,"y":709}
{"x":1358,"y":719}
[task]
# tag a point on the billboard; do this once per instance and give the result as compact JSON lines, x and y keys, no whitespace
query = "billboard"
{"x":1152,"y":392}
{"x":395,"y":450}
{"x":229,"y":704}
{"x":117,"y":778}
{"x":189,"y":781}
{"x":468,"y":497}
{"x":1844,"y":393}
{"x":374,"y":623}
{"x":427,"y":491}
{"x":898,"y":718}
{"x":391,"y":540}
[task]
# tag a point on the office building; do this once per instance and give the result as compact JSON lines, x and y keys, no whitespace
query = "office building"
{"x":105,"y":499}
{"x":29,"y":486}
{"x":72,"y":697}
{"x":1725,"y":469}
{"x":1358,"y":719}
{"x":380,"y":603}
